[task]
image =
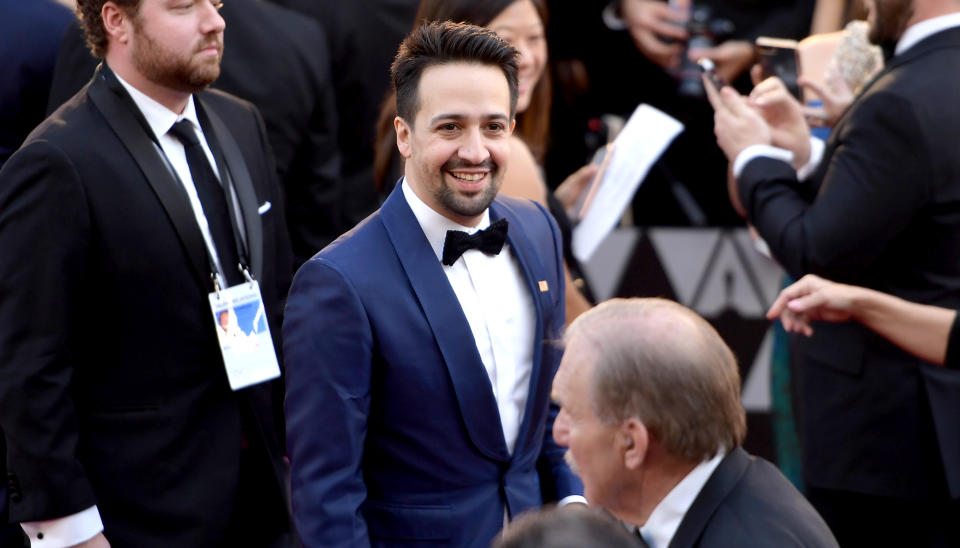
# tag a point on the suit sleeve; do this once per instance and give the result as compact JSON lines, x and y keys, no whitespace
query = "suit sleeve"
{"x":875,"y":182}
{"x":556,"y":478}
{"x":328,"y":351}
{"x":44,"y":235}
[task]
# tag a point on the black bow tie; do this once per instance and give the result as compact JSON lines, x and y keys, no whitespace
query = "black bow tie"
{"x":490,"y":241}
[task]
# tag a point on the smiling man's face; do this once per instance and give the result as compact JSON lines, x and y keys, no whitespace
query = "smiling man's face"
{"x":457,"y":148}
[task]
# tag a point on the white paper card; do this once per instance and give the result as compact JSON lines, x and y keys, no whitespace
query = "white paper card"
{"x":644,"y":138}
{"x":241,"y":322}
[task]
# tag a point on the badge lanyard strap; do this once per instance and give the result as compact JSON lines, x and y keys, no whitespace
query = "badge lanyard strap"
{"x":227,"y":185}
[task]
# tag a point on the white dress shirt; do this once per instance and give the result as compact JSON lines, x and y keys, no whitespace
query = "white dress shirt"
{"x":161,"y":119}
{"x":911,"y":36}
{"x":499,"y":308}
{"x":665,"y":519}
{"x":84,"y":525}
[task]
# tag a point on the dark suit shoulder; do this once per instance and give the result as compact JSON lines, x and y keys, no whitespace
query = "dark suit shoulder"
{"x":77,"y":128}
{"x":765,"y":509}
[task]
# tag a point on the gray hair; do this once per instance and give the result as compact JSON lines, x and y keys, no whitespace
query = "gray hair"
{"x":661,"y":363}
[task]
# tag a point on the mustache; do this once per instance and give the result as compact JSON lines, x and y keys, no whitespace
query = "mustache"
{"x":458,"y":163}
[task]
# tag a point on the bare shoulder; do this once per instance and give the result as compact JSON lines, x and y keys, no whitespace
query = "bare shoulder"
{"x":522,"y":178}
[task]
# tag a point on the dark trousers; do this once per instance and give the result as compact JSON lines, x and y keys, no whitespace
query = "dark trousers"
{"x":261,"y":516}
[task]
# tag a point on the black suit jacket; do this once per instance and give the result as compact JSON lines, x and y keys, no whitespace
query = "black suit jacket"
{"x":363,"y":39}
{"x":884,"y":212}
{"x":278,"y":60}
{"x":113,"y":391}
{"x":748,"y":502}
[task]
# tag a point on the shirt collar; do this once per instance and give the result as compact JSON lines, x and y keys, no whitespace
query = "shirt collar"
{"x":665,"y":519}
{"x":925,"y":28}
{"x":435,"y":225}
{"x":158,"y":117}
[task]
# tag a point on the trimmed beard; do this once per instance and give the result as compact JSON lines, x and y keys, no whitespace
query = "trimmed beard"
{"x":473,"y":206}
{"x":168,"y":69}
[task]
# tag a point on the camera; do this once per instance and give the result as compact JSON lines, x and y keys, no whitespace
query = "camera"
{"x":706,"y":31}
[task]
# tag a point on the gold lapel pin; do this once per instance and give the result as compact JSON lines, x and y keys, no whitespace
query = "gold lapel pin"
{"x":543,"y":286}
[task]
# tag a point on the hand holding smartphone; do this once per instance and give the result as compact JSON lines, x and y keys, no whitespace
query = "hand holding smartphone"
{"x":709,"y":69}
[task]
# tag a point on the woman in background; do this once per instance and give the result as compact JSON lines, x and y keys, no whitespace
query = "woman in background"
{"x":521,"y":23}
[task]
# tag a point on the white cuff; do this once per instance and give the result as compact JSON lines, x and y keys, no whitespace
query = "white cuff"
{"x":757,"y":151}
{"x":572,"y":499}
{"x":65,"y":531}
{"x":816,"y":154}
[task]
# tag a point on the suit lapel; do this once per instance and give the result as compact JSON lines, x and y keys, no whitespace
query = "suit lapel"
{"x":532,"y":269}
{"x":109,"y":97}
{"x":449,"y":325}
{"x":721,"y":482}
{"x":230,"y":163}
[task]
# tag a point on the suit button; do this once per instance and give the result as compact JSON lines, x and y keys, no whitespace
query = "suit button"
{"x":15,"y":497}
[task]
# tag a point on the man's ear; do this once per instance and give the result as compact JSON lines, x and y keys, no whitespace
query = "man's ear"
{"x":403,"y":136}
{"x":636,"y":440}
{"x":513,"y":125}
{"x":116,"y":22}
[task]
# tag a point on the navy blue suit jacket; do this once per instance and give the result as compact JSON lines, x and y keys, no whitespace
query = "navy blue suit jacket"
{"x":393,"y":431}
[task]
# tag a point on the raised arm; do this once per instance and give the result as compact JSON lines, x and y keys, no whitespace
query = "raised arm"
{"x":921,"y":330}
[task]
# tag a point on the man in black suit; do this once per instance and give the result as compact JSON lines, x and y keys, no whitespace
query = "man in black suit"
{"x":651,"y":414}
{"x":120,"y":217}
{"x":882,"y":210}
{"x":278,"y":60}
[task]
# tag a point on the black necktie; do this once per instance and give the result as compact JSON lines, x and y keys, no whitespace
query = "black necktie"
{"x":490,"y":241}
{"x":213,"y":200}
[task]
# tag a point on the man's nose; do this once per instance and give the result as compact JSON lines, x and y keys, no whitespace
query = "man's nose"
{"x":474,"y":148}
{"x":212,"y":20}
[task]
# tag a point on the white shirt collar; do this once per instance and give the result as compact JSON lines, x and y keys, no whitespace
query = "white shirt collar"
{"x":435,"y":225}
{"x":665,"y":519}
{"x":925,"y":28}
{"x":160,"y":118}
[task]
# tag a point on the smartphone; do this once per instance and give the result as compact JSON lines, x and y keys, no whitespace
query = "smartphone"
{"x":778,"y":57}
{"x":708,"y":68}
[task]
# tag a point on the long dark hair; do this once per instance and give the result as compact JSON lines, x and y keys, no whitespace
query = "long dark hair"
{"x":533,"y":125}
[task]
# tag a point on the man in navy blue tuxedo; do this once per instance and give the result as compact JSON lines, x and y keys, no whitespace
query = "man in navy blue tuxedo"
{"x":420,"y":345}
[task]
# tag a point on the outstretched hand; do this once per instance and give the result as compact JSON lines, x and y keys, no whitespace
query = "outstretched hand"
{"x":573,"y":186}
{"x":813,"y":299}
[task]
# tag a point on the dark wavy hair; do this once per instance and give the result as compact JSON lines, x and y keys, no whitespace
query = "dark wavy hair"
{"x":92,"y":22}
{"x":436,"y":43}
{"x":533,"y":125}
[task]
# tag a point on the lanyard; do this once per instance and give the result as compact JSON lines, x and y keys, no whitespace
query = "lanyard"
{"x":226,"y":182}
